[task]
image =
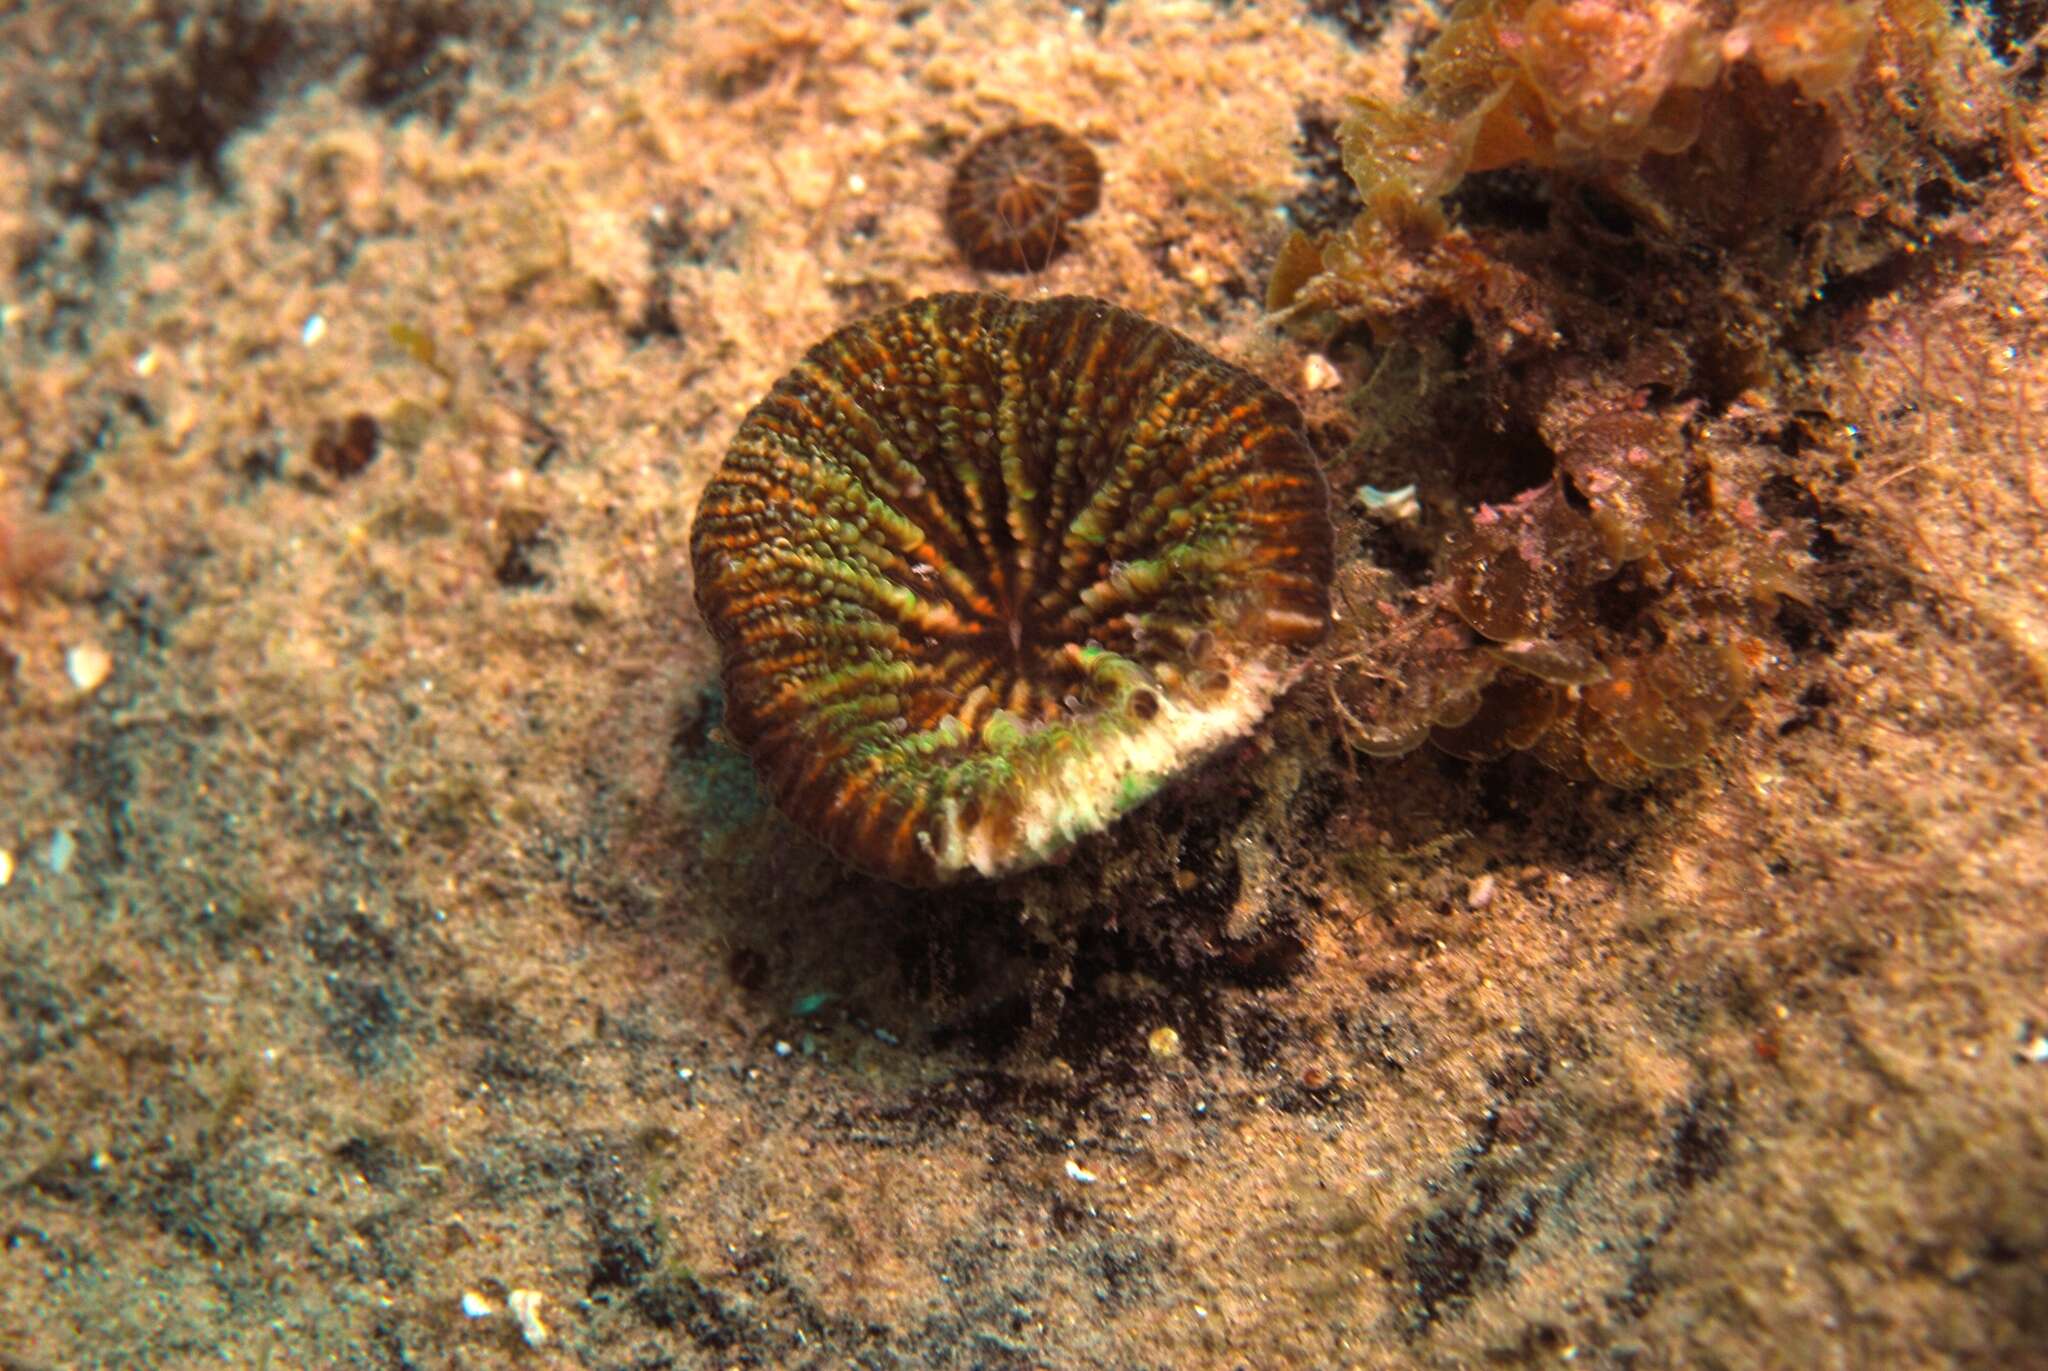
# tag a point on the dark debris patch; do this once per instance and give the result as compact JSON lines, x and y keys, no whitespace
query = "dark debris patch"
{"x":1384,"y":1040}
{"x":2014,"y":24}
{"x":750,"y":1312}
{"x":369,"y":977}
{"x":102,"y":771}
{"x":212,"y":72}
{"x":1517,"y":201}
{"x":1193,"y":975}
{"x":689,"y":227}
{"x":656,"y":319}
{"x":1127,"y":1270}
{"x":374,"y":1157}
{"x":416,"y":55}
{"x":1701,"y":1140}
{"x":148,"y":99}
{"x":75,"y":461}
{"x":1360,"y":21}
{"x":41,"y":1016}
{"x":1464,"y":1246}
{"x":998,"y":1098}
{"x":206,"y":1208}
{"x":348,"y":938}
{"x":1159,"y":928}
{"x":525,"y":549}
{"x":1851,"y":583}
{"x":1329,"y":200}
{"x":365,"y":1022}
{"x":255,"y":464}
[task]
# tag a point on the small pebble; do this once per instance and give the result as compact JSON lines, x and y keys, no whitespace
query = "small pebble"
{"x":2035,"y":1051}
{"x":1479,"y":894}
{"x":475,"y":1306}
{"x":315,"y":329}
{"x":1078,"y":1172}
{"x":1317,"y":373}
{"x":63,"y":847}
{"x":88,"y":665}
{"x":1395,"y":505}
{"x":6,"y":866}
{"x":782,"y":1049}
{"x":1164,"y":1042}
{"x":525,"y":1307}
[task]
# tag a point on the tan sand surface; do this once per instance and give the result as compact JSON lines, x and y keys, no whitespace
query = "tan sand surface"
{"x":389,"y":943}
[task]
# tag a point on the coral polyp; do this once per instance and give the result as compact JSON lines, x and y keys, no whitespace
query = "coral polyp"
{"x":987,"y":573}
{"x":1015,"y":193}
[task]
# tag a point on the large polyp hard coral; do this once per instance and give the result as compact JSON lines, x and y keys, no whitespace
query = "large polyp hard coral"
{"x":986,"y":573}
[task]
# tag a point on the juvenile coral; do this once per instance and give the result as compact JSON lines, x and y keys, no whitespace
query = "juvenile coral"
{"x":987,"y":573}
{"x":1608,"y":230}
{"x":1015,"y":194}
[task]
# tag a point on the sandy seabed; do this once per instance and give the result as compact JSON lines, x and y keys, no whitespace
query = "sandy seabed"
{"x":396,"y":969}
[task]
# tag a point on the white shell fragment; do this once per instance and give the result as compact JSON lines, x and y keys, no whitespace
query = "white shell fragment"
{"x":88,"y":665}
{"x":525,"y":1307}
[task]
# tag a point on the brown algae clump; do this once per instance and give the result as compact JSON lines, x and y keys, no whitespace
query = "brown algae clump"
{"x":987,"y":573}
{"x":1601,"y":237}
{"x":1015,"y":193}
